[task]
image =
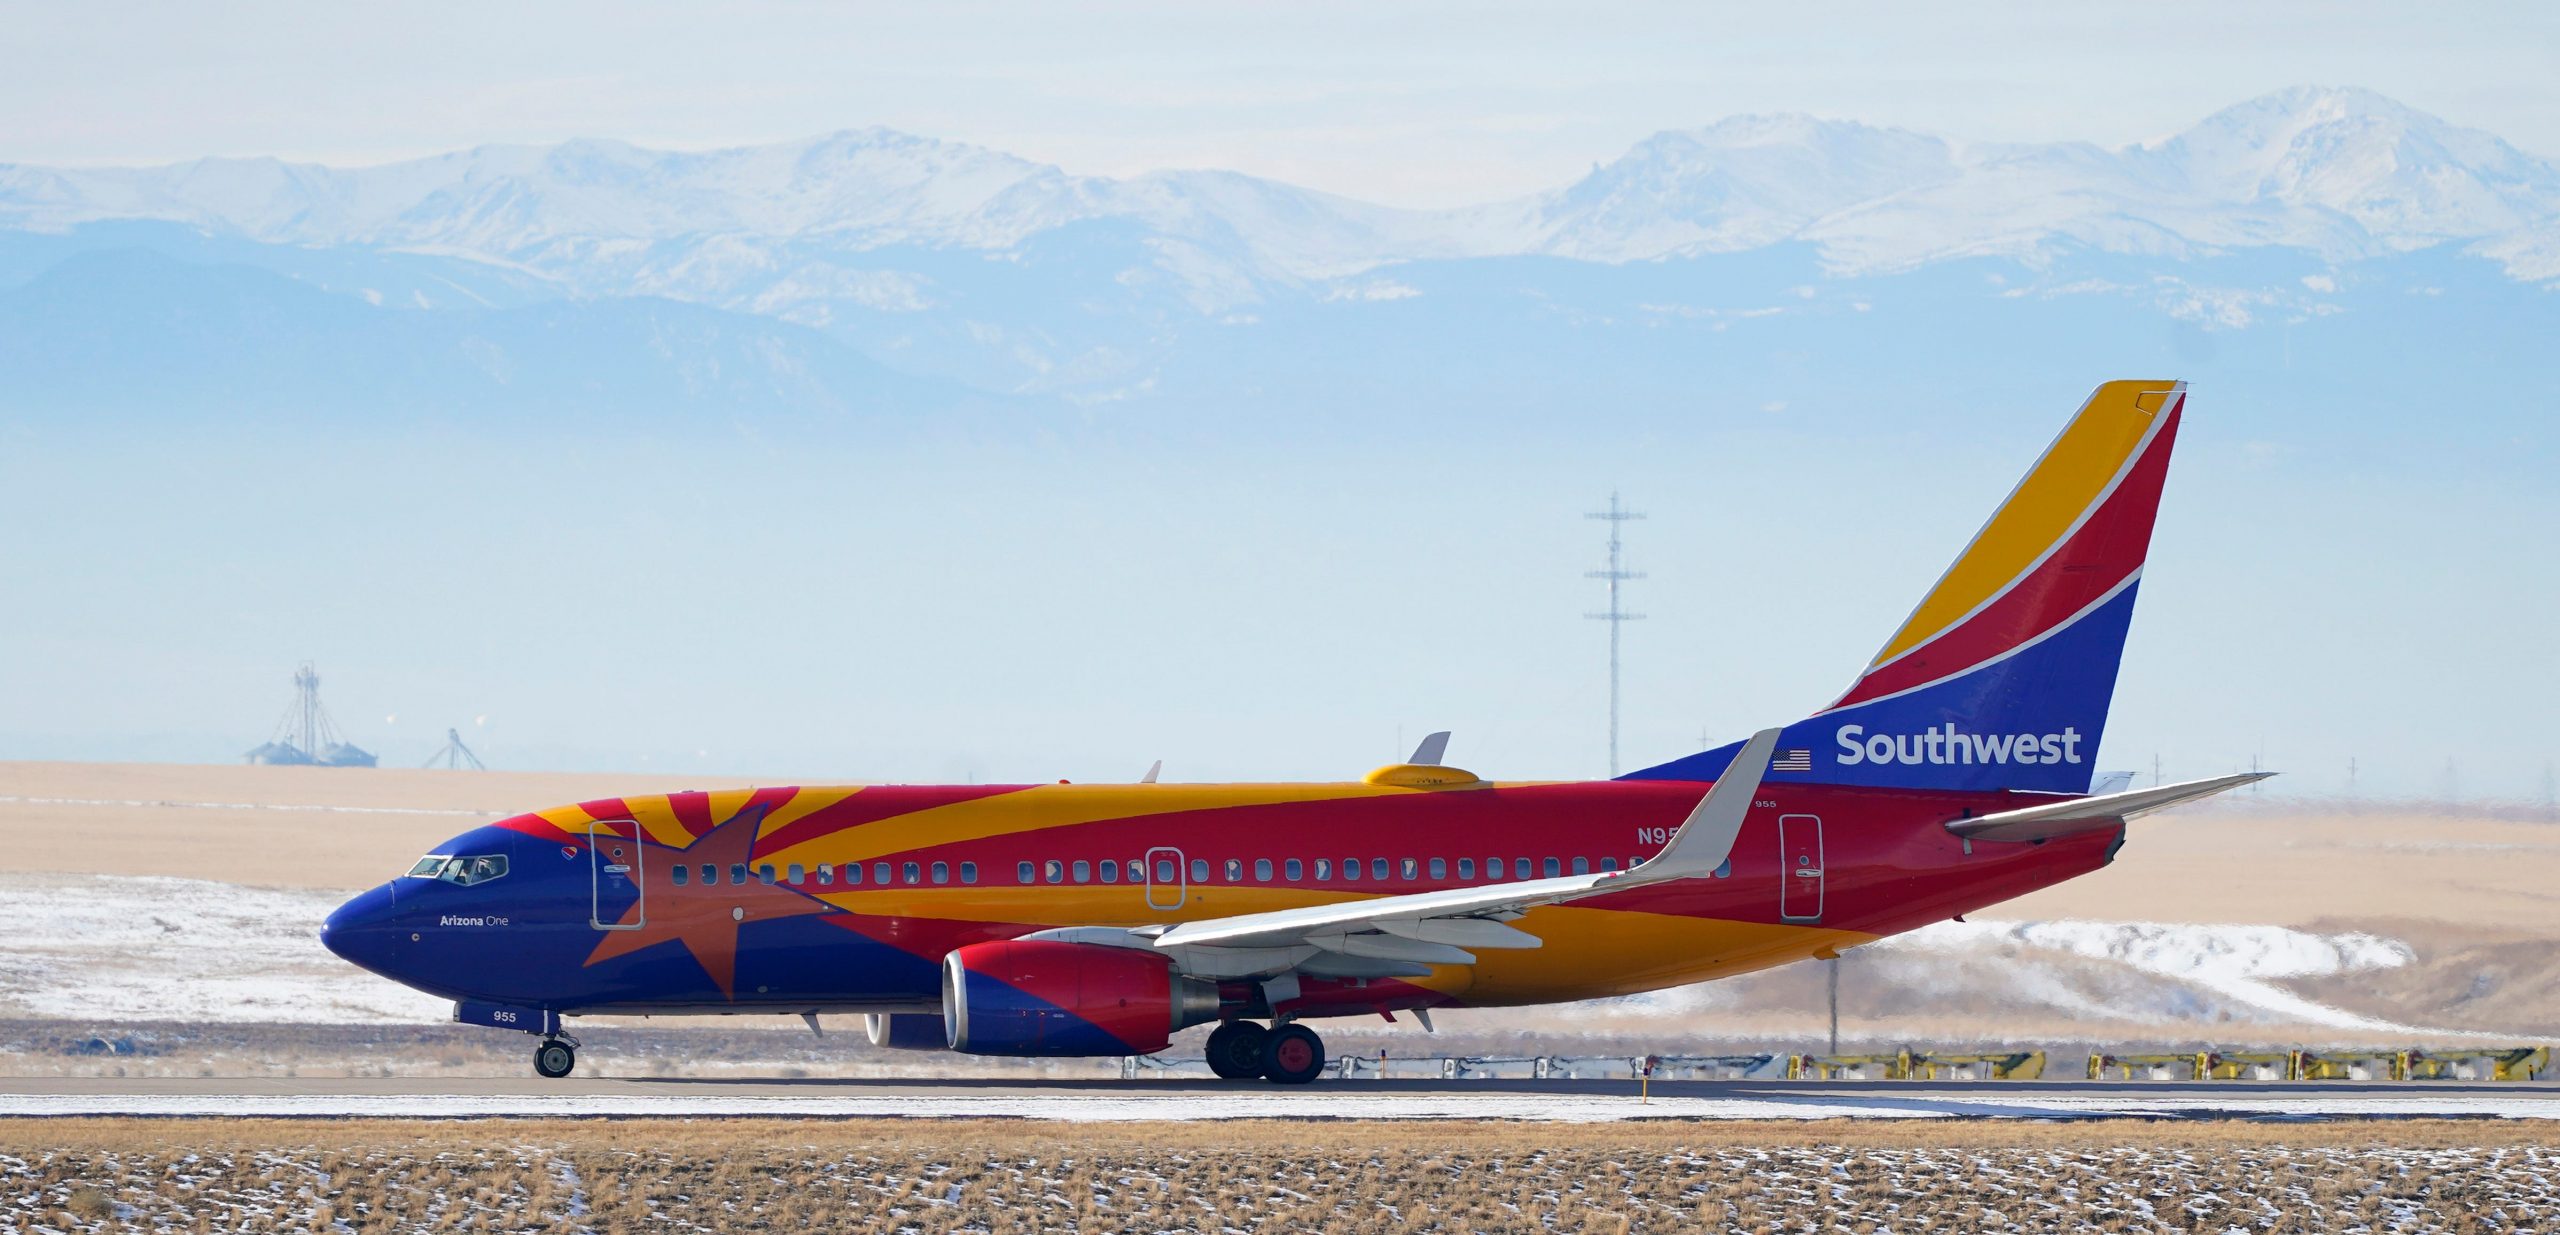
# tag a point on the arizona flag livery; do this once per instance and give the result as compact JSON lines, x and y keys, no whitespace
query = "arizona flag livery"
{"x":1061,"y":919}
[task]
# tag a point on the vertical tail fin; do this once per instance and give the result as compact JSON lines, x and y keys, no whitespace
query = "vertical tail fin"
{"x":2001,"y":677}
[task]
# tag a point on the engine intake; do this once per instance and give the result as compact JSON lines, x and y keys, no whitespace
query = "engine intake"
{"x":1046,"y":997}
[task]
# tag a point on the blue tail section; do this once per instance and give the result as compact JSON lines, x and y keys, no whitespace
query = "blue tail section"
{"x":2002,"y":677}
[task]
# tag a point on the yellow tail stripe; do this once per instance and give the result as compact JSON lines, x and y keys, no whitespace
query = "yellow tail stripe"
{"x":2074,"y":471}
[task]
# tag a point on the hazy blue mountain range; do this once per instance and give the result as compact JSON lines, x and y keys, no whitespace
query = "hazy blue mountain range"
{"x":873,"y":271}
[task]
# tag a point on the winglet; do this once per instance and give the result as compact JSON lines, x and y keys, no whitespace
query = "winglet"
{"x":1706,"y":839}
{"x":1153,"y":770}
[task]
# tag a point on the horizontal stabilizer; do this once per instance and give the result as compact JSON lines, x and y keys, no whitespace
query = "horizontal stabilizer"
{"x":2095,"y":813}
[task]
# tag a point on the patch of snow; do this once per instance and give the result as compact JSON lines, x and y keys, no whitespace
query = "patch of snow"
{"x":157,"y":948}
{"x":2240,"y":962}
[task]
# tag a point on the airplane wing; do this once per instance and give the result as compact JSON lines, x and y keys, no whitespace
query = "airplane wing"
{"x":1393,"y":936}
{"x":2093,"y":813}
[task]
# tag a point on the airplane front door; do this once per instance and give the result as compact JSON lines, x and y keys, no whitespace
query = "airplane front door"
{"x":616,"y":876}
{"x":1167,"y":883}
{"x":1800,"y":873}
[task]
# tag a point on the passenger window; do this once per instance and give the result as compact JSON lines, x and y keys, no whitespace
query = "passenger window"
{"x":1378,"y":869}
{"x":1262,"y":870}
{"x":1493,"y":868}
{"x":1084,"y":872}
{"x":1466,"y":868}
{"x":765,"y":872}
{"x":796,"y":873}
{"x":1582,"y":866}
{"x":910,"y":872}
{"x":1408,"y":869}
{"x":1521,"y":865}
{"x":1552,"y":870}
{"x":1324,"y":870}
{"x":852,"y":873}
{"x":710,"y":874}
{"x":1608,"y":864}
{"x":826,"y":874}
{"x":942,"y":872}
{"x":1054,"y":871}
{"x":1164,"y":871}
{"x":880,"y":873}
{"x":1725,"y":869}
{"x":1439,"y":868}
{"x":1235,"y":870}
{"x":1022,"y":872}
{"x":1351,"y":870}
{"x":968,"y":872}
{"x":1296,"y":870}
{"x":737,"y":872}
{"x":680,"y":872}
{"x":1199,"y":870}
{"x":1111,"y":870}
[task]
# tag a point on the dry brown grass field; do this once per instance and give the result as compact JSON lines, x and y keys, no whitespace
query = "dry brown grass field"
{"x":1356,"y":1177}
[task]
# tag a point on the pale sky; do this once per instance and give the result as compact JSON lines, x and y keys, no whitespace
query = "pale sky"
{"x":1408,"y":103}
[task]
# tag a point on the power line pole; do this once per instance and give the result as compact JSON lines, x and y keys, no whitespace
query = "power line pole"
{"x":1617,"y":615}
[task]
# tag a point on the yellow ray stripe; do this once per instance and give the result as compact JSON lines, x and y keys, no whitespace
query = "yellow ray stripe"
{"x":2063,"y":484}
{"x":803,"y":804}
{"x":1051,"y":806}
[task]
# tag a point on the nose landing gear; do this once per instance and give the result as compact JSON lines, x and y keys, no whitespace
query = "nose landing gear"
{"x":555,"y":1057}
{"x":1289,"y":1055}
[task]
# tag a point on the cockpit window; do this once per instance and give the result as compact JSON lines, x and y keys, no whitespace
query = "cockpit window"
{"x":466,"y":870}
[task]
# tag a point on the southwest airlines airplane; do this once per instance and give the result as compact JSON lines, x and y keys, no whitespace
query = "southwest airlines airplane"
{"x":1102,"y":919}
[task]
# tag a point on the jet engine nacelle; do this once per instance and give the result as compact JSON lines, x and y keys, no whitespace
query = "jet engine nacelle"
{"x":1043,"y":997}
{"x":906,"y":1031}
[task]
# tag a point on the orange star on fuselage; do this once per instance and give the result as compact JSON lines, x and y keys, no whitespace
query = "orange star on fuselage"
{"x":705,"y":919}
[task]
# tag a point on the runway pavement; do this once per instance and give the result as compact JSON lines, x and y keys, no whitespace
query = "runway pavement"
{"x":1576,"y":1101}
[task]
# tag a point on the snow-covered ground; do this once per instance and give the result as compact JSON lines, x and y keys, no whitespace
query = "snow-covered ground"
{"x":149,"y":948}
{"x":2237,"y":962}
{"x":1989,"y":1100}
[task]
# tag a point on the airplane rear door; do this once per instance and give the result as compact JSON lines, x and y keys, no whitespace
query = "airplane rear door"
{"x":615,"y":873}
{"x":1800,"y":876}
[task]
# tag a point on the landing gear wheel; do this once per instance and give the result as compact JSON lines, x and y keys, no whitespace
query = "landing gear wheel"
{"x":554,"y":1058}
{"x":1293,"y":1055}
{"x":1235,"y":1049}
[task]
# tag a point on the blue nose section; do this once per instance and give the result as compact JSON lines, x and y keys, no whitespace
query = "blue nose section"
{"x":365,"y":932}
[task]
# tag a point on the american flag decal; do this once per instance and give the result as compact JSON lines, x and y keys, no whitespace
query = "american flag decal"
{"x":1798,"y":760}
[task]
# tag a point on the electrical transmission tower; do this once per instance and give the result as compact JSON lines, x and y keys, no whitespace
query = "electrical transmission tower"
{"x":1616,"y":615}
{"x":455,"y":755}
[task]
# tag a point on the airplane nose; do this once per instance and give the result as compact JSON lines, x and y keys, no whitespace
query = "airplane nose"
{"x":361,"y":931}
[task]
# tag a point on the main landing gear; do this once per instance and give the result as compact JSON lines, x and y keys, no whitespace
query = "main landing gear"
{"x":1290,"y":1055}
{"x":555,"y":1057}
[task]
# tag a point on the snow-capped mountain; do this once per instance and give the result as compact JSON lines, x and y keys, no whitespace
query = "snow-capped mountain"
{"x":2342,"y":172}
{"x":954,"y":261}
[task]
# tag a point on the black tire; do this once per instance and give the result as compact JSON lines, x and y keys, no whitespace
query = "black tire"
{"x":1235,"y":1050}
{"x":1293,"y":1055}
{"x":554,"y":1059}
